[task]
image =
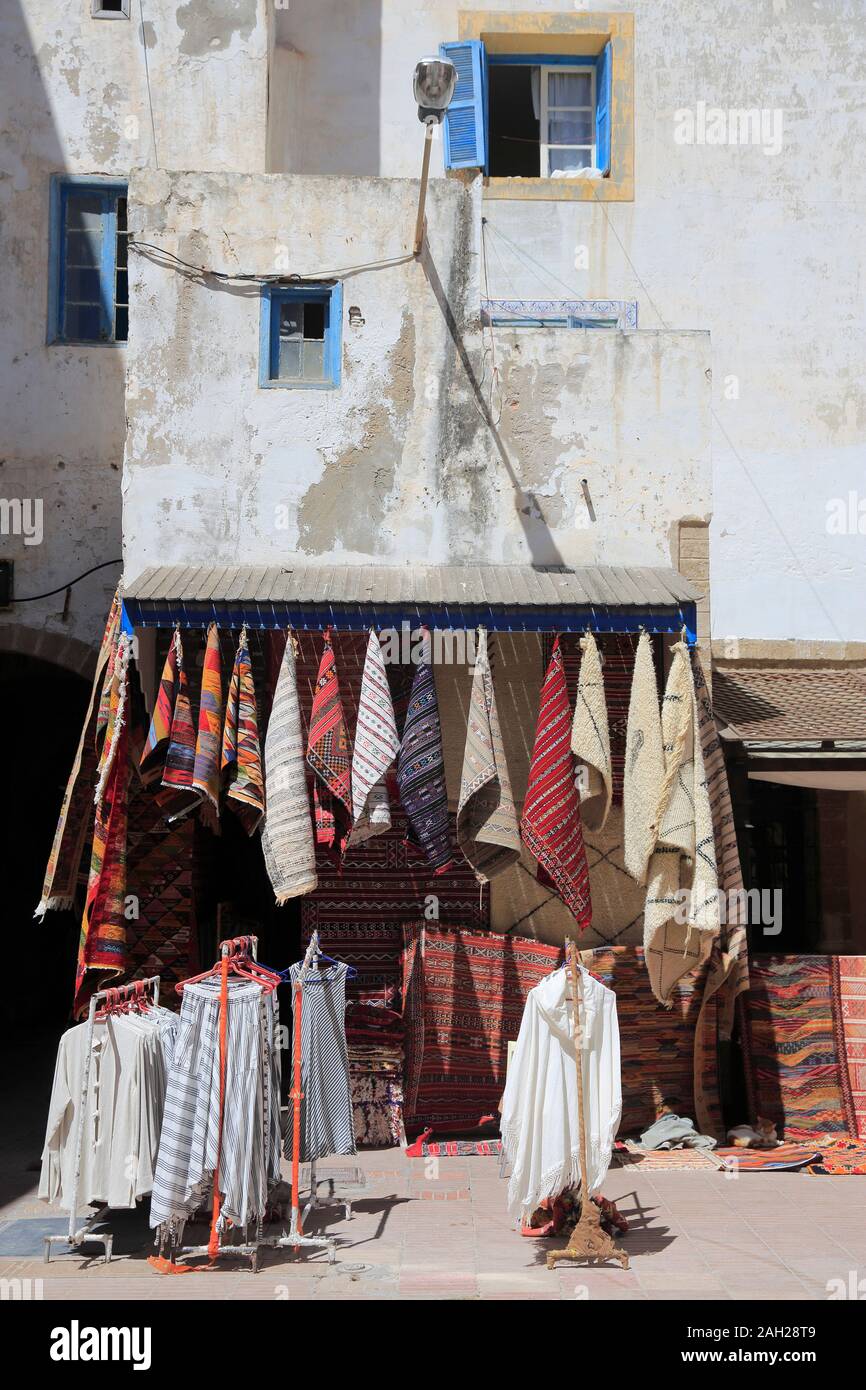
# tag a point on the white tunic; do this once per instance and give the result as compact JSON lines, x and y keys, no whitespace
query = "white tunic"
{"x":539,"y":1108}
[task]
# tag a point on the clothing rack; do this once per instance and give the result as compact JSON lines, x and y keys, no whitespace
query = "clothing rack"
{"x":248,"y":1249}
{"x":589,"y":1240}
{"x":115,"y":997}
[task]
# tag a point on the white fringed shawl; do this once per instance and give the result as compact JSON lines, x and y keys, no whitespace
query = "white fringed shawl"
{"x":539,"y":1108}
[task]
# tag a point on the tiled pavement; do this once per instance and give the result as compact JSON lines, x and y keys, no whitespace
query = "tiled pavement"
{"x":443,"y":1232}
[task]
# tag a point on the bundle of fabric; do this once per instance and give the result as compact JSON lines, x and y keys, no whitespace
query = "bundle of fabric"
{"x":670,"y":843}
{"x":102,"y":941}
{"x":375,"y":1041}
{"x":376,"y":746}
{"x":241,"y":758}
{"x":122,"y":1111}
{"x":67,"y":849}
{"x":487,"y":829}
{"x":287,"y":836}
{"x":794,"y":1045}
{"x":329,"y":754}
{"x":193,"y":1143}
{"x":550,"y":825}
{"x":421,"y":769}
{"x":540,"y":1106}
{"x":658,"y":1044}
{"x":464,"y":994}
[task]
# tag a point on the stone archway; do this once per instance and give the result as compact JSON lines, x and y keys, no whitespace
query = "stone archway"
{"x":55,"y":648}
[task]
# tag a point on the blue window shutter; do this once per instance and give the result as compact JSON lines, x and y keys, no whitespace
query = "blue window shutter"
{"x":602,"y":109}
{"x":466,"y":118}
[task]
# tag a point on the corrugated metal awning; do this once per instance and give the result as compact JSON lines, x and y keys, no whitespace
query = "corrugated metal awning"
{"x":504,"y":597}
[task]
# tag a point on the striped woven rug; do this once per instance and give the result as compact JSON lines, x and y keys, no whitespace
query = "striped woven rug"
{"x":658,"y":1044}
{"x":795,"y":1047}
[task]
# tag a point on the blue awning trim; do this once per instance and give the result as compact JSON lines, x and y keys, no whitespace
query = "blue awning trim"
{"x":311,"y":617}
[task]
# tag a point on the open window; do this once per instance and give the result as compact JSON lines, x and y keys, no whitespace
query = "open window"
{"x":529,"y":116}
{"x":301,"y":336}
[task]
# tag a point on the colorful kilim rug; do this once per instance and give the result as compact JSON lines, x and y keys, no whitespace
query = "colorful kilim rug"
{"x":849,"y":990}
{"x":76,"y":811}
{"x":241,"y":758}
{"x":176,"y":795}
{"x":329,"y":754}
{"x":156,"y":744}
{"x":785,"y":1158}
{"x":657,"y":1044}
{"x":839,"y":1157}
{"x":455,"y":1148}
{"x":102,"y":941}
{"x":464,"y":994}
{"x":206,"y":770}
{"x":794,"y":1046}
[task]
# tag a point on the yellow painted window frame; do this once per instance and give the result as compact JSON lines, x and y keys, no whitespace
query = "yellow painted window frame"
{"x":530,"y":31}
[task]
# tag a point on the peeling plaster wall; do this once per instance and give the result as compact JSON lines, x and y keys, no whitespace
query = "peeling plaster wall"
{"x":764,"y":251}
{"x":421,"y":452}
{"x":73,"y":99}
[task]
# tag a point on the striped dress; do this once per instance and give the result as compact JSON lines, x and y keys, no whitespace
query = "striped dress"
{"x":327,"y":1126}
{"x":188,"y":1146}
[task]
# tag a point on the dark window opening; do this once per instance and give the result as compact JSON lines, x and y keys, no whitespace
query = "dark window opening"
{"x":514,"y":129}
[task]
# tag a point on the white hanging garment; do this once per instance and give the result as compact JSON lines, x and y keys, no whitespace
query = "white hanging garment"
{"x":539,"y":1108}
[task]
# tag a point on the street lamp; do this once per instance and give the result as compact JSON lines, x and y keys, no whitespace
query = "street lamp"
{"x":433,"y":86}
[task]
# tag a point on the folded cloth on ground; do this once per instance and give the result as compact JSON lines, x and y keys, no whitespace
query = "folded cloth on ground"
{"x":670,"y":1131}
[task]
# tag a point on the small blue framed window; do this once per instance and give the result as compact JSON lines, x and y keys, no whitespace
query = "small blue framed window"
{"x":301,"y":336}
{"x":88,"y":292}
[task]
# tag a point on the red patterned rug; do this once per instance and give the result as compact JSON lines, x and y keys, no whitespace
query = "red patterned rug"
{"x":464,"y":994}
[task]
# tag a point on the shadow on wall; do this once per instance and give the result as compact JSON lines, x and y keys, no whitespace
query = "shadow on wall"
{"x":543,"y":550}
{"x":324,"y":104}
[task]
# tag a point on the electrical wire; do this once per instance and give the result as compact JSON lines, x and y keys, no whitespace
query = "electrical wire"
{"x":254,"y":278}
{"x":31,"y":598}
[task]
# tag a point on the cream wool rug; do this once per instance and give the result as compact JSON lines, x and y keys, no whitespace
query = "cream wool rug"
{"x":681,"y":918}
{"x":590,"y":737}
{"x":287,"y":836}
{"x":487,"y":829}
{"x":644,"y":764}
{"x":377,"y":744}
